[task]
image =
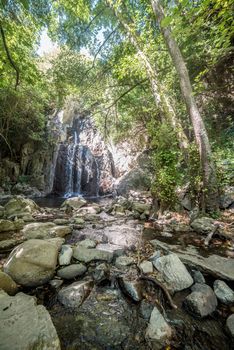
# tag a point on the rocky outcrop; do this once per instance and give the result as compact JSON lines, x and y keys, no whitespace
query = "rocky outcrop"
{"x":20,"y":206}
{"x":25,"y":325}
{"x":32,"y":263}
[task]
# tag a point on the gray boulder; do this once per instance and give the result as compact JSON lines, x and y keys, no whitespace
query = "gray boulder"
{"x":32,"y":263}
{"x":174,"y":272}
{"x":72,"y":271}
{"x":87,"y":255}
{"x":158,"y":330}
{"x":146,"y":266}
{"x":123,"y":261}
{"x":223,"y":292}
{"x":203,"y":225}
{"x":43,"y":230}
{"x":202,"y":301}
{"x":73,"y":295}
{"x":25,"y":325}
{"x":133,"y":288}
{"x":65,"y":255}
{"x":7,"y":225}
{"x":230,"y":325}
{"x":74,"y":203}
{"x":87,"y":243}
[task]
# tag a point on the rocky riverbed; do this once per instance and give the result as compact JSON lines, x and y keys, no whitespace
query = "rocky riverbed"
{"x":111,"y":275}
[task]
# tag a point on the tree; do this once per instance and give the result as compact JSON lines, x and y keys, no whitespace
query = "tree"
{"x":209,"y":174}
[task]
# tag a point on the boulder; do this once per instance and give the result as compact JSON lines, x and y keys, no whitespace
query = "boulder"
{"x":133,"y":288}
{"x":2,"y":211}
{"x":72,"y":271}
{"x":202,"y":301}
{"x":141,"y":207}
{"x":32,"y":263}
{"x":203,"y":225}
{"x":230,"y":325}
{"x":43,"y":230}
{"x":198,"y":277}
{"x":158,"y":330}
{"x":87,"y":255}
{"x":25,"y":325}
{"x":61,"y":221}
{"x":87,"y":243}
{"x":9,"y":244}
{"x":117,"y":250}
{"x":227,"y":198}
{"x":123,"y":261}
{"x":223,"y":292}
{"x":73,"y":295}
{"x":7,"y":225}
{"x":7,"y":284}
{"x":20,"y":206}
{"x":174,"y":272}
{"x":74,"y":203}
{"x":65,"y":255}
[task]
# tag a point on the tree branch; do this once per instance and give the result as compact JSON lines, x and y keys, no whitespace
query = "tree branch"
{"x":9,"y":56}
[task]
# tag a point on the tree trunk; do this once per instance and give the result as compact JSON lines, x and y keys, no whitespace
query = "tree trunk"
{"x":162,"y":102}
{"x":201,"y":136}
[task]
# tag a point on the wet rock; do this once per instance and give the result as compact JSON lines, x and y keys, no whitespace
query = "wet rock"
{"x":2,"y":211}
{"x":25,"y":325}
{"x":61,"y":231}
{"x":7,"y":284}
{"x":230,"y":325}
{"x":65,"y":255}
{"x":117,"y":250}
{"x":87,"y":243}
{"x":43,"y":230}
{"x":57,"y":242}
{"x":72,"y":271}
{"x":203,"y":225}
{"x":7,"y":225}
{"x":155,"y":255}
{"x":202,"y":301}
{"x":32,"y":263}
{"x":146,"y":309}
{"x":223,"y":292}
{"x":56,"y":284}
{"x":146,"y":267}
{"x":61,"y":221}
{"x":198,"y":277}
{"x":122,"y":234}
{"x":20,"y":206}
{"x":74,"y":203}
{"x":174,"y":272}
{"x":101,"y":272}
{"x":88,"y":255}
{"x":158,"y":330}
{"x":73,"y":295}
{"x":105,"y":320}
{"x":133,"y":288}
{"x":78,"y":223}
{"x":123,"y":261}
{"x":9,"y":244}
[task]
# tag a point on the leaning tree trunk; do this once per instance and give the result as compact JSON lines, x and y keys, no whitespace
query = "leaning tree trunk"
{"x":201,"y":136}
{"x":162,"y":102}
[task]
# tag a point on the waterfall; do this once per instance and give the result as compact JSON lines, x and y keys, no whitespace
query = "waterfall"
{"x":78,"y":168}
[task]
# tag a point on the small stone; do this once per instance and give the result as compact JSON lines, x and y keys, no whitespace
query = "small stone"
{"x":6,"y":225}
{"x":7,"y":284}
{"x":61,"y":222}
{"x":203,"y":225}
{"x":88,"y":255}
{"x":155,"y":255}
{"x":72,"y":271}
{"x":117,"y":250}
{"x":87,"y":243}
{"x":146,"y":267}
{"x":202,"y":301}
{"x":74,"y":203}
{"x":123,"y":261}
{"x":146,"y":309}
{"x":65,"y":255}
{"x":223,"y":292}
{"x":60,"y":231}
{"x":73,"y":295}
{"x":132,"y":288}
{"x":230,"y":325}
{"x":158,"y":329}
{"x":56,"y":284}
{"x":198,"y":277}
{"x":174,"y":272}
{"x":101,"y":272}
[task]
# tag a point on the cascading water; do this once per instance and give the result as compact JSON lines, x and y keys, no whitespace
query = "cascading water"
{"x":79,"y":166}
